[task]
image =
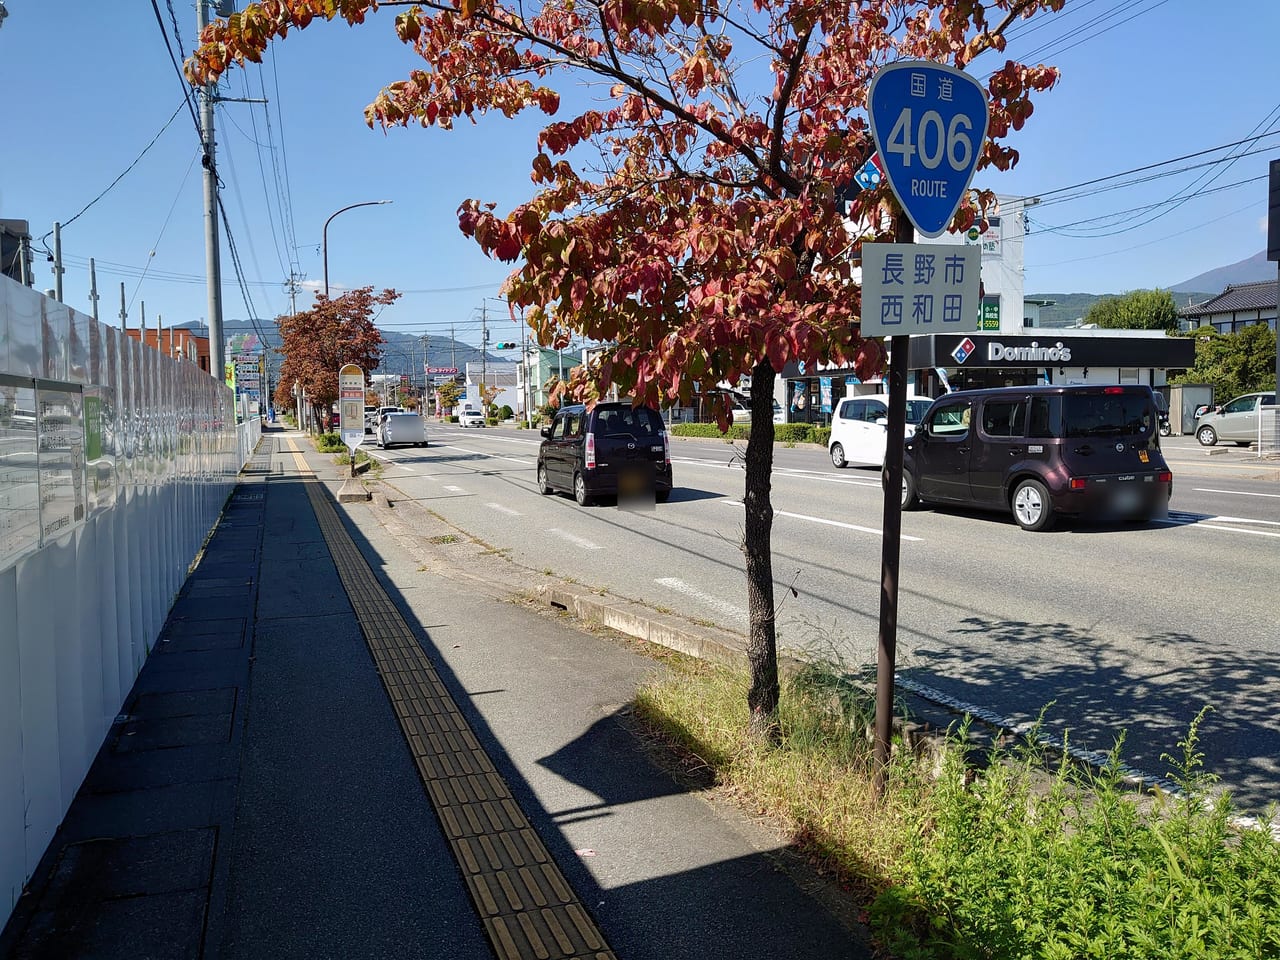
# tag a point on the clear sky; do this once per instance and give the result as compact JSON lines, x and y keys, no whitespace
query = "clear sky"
{"x":89,"y":84}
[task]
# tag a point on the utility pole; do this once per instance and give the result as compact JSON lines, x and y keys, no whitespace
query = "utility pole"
{"x":142,"y":323}
{"x":124,"y":314}
{"x":484,"y":353}
{"x":57,"y":262}
{"x":93,"y":288}
{"x":292,"y":284}
{"x":212,"y":256}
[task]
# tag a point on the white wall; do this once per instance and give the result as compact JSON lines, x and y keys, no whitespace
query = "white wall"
{"x":146,"y":471}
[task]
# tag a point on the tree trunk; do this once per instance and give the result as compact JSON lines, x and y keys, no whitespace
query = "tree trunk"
{"x":762,"y":641}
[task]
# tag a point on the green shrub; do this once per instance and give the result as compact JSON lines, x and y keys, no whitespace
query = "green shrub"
{"x":709,"y":430}
{"x":329,"y":443}
{"x":453,"y":418}
{"x":819,"y":435}
{"x":791,"y":432}
{"x":505,"y":412}
{"x":491,"y":421}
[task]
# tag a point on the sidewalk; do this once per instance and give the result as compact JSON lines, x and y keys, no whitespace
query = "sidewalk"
{"x":343,"y":746}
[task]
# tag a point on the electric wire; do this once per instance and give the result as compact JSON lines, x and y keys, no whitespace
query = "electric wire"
{"x":164,"y":226}
{"x":122,"y":175}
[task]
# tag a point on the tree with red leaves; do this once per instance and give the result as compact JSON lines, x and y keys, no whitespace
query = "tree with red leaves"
{"x":689,"y":217}
{"x":319,"y":341}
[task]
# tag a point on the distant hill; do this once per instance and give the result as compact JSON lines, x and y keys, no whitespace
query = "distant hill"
{"x":1216,"y":280}
{"x":1070,"y":307}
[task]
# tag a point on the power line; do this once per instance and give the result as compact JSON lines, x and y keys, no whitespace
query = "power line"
{"x":136,"y":160}
{"x":1146,"y":208}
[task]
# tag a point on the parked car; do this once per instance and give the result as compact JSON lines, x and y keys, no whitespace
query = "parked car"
{"x":860,"y":427}
{"x":1040,"y":452}
{"x":370,"y":419}
{"x":613,"y":449}
{"x":742,"y":413}
{"x":1236,"y":420}
{"x":469,"y":417}
{"x":403,"y":428}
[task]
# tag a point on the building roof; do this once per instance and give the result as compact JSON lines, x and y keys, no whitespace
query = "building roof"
{"x":1236,"y":298}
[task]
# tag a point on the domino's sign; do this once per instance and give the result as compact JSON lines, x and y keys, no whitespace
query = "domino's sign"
{"x":929,"y":122}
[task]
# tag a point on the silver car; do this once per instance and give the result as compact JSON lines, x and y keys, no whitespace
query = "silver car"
{"x":1236,"y":421}
{"x":407,"y":428}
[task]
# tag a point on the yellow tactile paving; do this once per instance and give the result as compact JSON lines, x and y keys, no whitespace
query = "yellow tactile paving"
{"x":527,"y":907}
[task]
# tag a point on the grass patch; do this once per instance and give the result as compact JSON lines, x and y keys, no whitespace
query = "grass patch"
{"x":329,"y":443}
{"x":1026,"y":857}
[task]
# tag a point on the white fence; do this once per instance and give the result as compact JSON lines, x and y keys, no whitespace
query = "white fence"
{"x":115,"y":463}
{"x":1268,"y":431}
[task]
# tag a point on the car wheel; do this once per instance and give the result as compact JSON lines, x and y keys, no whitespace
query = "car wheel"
{"x":580,"y":490}
{"x":662,"y":496}
{"x":909,"y":499}
{"x":1032,"y":506}
{"x":1207,"y":436}
{"x":544,"y":487}
{"x":837,"y":456}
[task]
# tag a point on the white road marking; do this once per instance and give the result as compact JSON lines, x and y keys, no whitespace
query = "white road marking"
{"x":507,"y":510}
{"x":576,"y":540}
{"x":489,"y":456}
{"x":826,"y":522}
{"x":715,"y":603}
{"x":454,"y":489}
{"x":1238,"y":493}
{"x":788,"y":472}
{"x":1210,"y":523}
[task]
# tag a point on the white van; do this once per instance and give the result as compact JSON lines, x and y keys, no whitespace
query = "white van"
{"x":860,"y":426}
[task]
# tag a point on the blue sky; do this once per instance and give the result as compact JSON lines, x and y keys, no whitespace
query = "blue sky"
{"x":88,"y":85}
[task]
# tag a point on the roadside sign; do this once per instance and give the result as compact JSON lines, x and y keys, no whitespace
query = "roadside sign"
{"x":929,"y":122}
{"x":351,"y":406}
{"x":919,"y":288}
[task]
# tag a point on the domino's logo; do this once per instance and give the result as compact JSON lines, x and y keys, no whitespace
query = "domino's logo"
{"x":962,"y":352}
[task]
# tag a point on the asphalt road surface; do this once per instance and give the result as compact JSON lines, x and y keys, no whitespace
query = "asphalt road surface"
{"x":1106,"y":629}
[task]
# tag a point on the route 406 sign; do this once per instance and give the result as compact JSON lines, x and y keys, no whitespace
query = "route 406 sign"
{"x":929,"y":122}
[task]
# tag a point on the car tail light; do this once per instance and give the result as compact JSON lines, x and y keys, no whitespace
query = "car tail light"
{"x":666,"y":448}
{"x":1113,"y":389}
{"x":591,"y":451}
{"x":1165,"y":476}
{"x":1078,"y":483}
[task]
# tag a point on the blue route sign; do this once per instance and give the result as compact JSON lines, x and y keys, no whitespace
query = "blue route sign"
{"x":929,"y":122}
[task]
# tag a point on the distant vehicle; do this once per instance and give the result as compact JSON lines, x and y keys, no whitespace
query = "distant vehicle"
{"x":860,"y":427}
{"x":403,"y":428}
{"x":742,"y":413}
{"x":1236,"y":420}
{"x":370,"y":418}
{"x":469,"y":417}
{"x":614,"y":449}
{"x":1040,"y":452}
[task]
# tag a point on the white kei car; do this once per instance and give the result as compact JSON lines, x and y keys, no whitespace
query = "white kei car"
{"x":860,"y":425}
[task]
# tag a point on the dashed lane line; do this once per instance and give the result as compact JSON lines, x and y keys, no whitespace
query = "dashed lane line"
{"x":825,"y":522}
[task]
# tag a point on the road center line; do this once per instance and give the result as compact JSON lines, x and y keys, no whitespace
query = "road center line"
{"x":507,"y":510}
{"x":1237,"y":493}
{"x":826,"y":522}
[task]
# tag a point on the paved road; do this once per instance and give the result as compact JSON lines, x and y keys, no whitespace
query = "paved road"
{"x":1118,"y":629}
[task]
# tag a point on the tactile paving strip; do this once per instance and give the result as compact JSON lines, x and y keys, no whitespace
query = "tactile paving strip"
{"x":525,"y":903}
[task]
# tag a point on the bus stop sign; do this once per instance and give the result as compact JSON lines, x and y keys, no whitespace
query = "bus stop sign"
{"x":929,"y":122}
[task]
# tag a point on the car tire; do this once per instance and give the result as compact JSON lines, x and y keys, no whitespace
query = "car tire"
{"x":580,"y":490}
{"x":910,"y":500}
{"x":1207,"y":436}
{"x":544,"y":487}
{"x":1032,"y":506}
{"x":837,"y":457}
{"x":662,"y":496}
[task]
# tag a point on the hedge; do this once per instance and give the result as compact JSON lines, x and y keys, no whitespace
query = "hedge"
{"x":782,"y":432}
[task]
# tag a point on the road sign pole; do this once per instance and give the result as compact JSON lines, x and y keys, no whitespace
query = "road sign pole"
{"x":929,"y":123}
{"x":890,"y":545}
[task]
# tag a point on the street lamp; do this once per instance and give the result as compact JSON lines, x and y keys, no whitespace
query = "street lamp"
{"x":324,"y":236}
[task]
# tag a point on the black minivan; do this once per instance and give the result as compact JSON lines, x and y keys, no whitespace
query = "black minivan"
{"x":1040,"y":452}
{"x":613,"y":449}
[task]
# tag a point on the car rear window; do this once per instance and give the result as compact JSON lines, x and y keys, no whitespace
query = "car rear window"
{"x":638,"y":422}
{"x":1106,"y":415}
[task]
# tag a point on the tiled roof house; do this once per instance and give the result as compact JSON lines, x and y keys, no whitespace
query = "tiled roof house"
{"x":1238,"y":306}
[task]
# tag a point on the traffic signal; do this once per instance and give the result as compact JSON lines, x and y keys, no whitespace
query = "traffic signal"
{"x":506,"y":345}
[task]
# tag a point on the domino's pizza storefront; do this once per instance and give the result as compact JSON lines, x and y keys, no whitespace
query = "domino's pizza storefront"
{"x":939,"y":362}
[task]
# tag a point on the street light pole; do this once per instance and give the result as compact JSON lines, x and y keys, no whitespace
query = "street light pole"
{"x":324,"y":236}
